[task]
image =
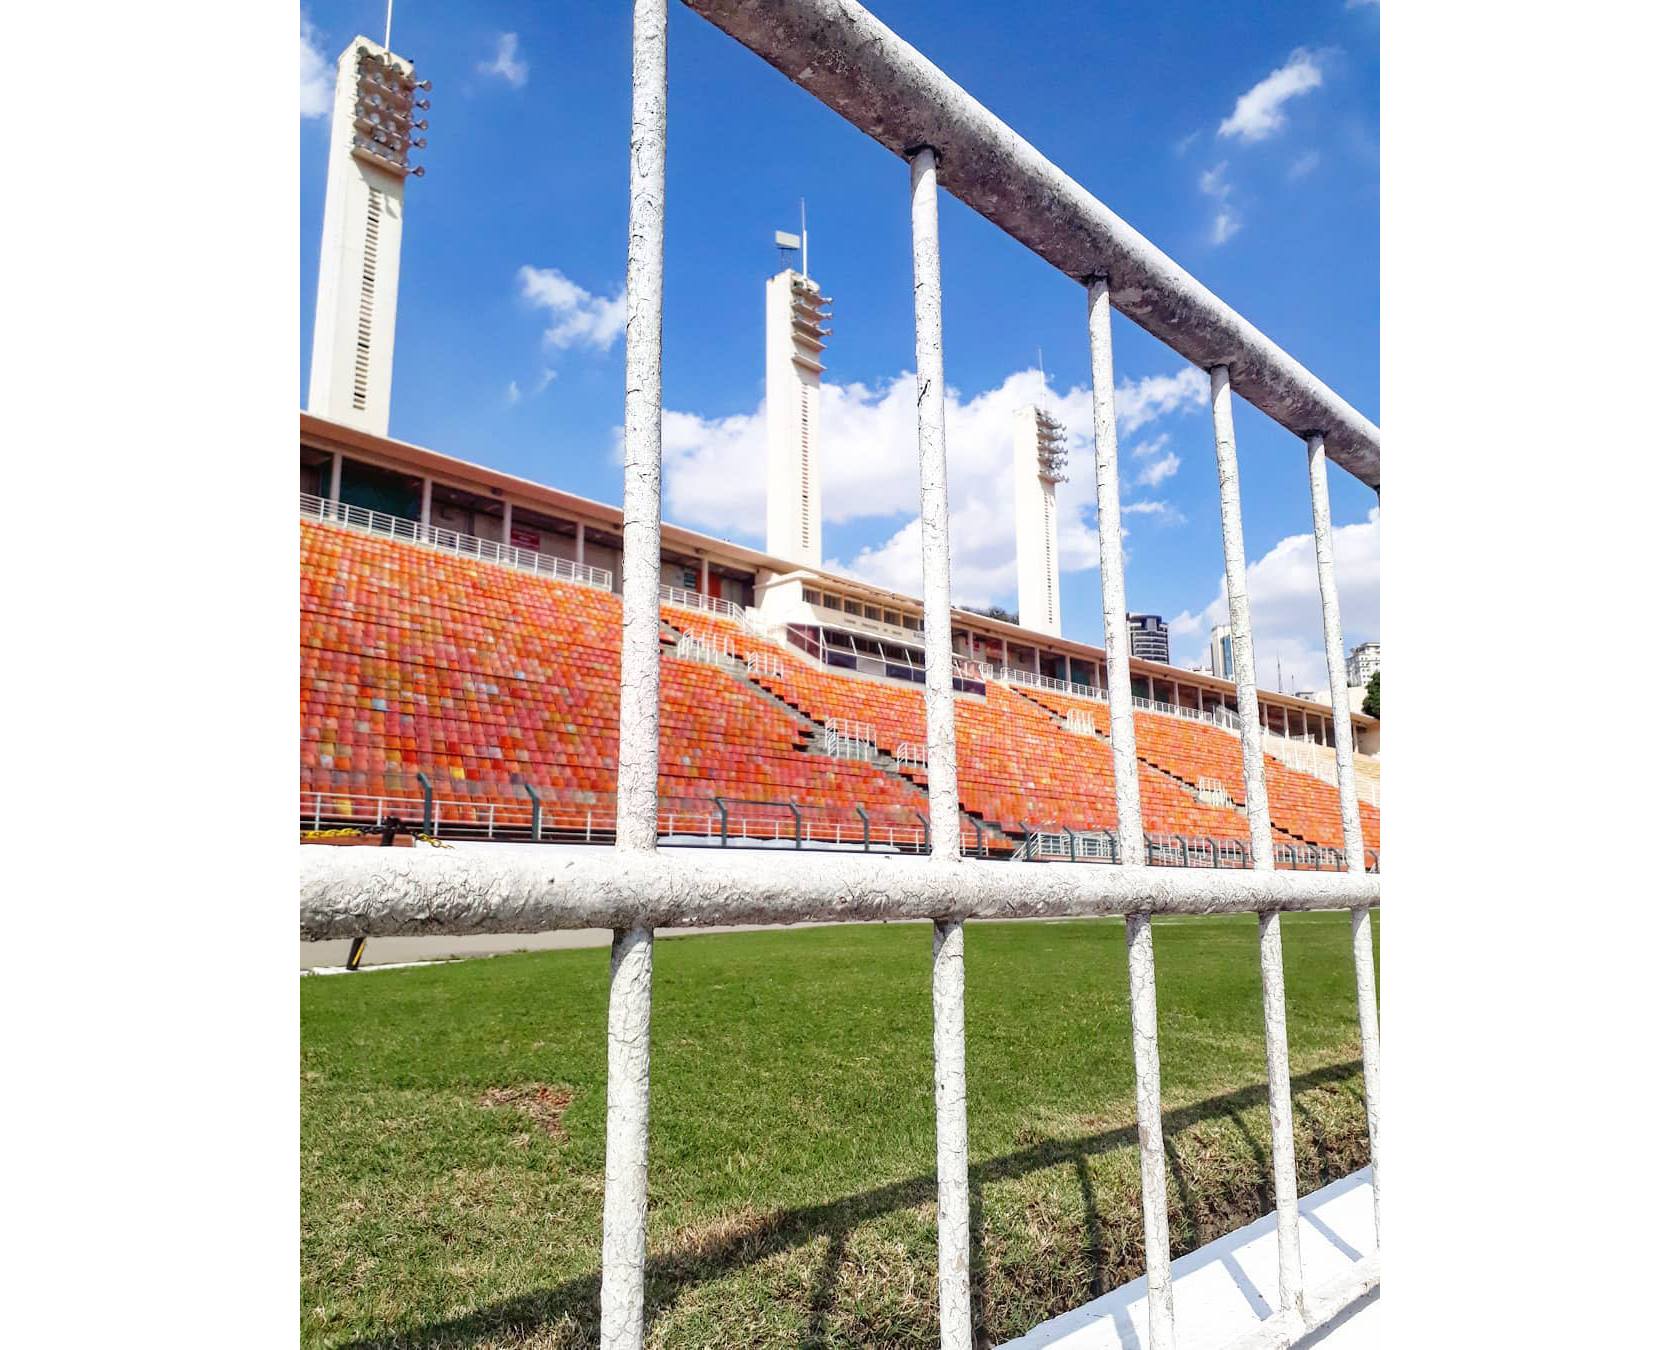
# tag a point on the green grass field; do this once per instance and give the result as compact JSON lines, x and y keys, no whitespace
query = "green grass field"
{"x":452,"y":1130}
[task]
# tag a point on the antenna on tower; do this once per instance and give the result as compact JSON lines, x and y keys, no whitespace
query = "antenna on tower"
{"x":1043,"y":383}
{"x":804,"y":244}
{"x":388,"y":4}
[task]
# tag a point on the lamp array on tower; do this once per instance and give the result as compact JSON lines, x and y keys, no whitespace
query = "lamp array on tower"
{"x":1052,"y":449}
{"x":386,"y":101}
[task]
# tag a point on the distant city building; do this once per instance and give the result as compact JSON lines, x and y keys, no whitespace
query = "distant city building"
{"x":1224,"y":662}
{"x":1363,"y":663}
{"x":1148,"y":636}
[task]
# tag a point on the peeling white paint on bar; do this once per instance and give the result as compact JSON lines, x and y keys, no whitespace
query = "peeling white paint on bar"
{"x":644,"y":290}
{"x":1258,"y":810}
{"x":1256,"y":805}
{"x":1116,"y":639}
{"x":538,"y":888}
{"x":949,"y":1040}
{"x":624,"y":1207}
{"x":630,"y":996}
{"x":936,"y":544}
{"x":950,"y":1100}
{"x":1131,"y":845}
{"x":1291,"y":1289}
{"x":843,"y":55}
{"x":1146,"y":1057}
{"x":1353,"y":832}
{"x":1365,"y":986}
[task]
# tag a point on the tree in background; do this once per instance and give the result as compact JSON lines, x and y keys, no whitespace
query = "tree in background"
{"x":1372,"y":706}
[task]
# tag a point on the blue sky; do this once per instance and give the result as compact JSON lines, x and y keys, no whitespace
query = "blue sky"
{"x":1242,"y":139}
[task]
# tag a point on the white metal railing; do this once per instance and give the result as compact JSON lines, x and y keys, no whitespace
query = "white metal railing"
{"x":707,"y":604}
{"x":847,"y":58}
{"x":715,"y":651}
{"x":1212,"y":792}
{"x":451,"y":541}
{"x":1223,"y":718}
{"x":910,"y":754}
{"x":767,"y":664}
{"x":1317,"y":761}
{"x":844,"y":738}
{"x":1081,"y":721}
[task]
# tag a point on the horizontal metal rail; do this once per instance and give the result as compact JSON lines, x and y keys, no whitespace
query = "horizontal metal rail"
{"x":842,"y":54}
{"x":311,"y":507}
{"x":708,"y":604}
{"x":388,"y":892}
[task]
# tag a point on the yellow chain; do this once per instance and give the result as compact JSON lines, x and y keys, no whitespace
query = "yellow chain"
{"x":348,"y":831}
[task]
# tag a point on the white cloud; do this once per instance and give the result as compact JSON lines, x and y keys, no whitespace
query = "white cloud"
{"x":515,"y":393}
{"x":1158,"y":471}
{"x":576,"y":317}
{"x":507,"y":64}
{"x":315,"y":88}
{"x":1258,"y":114}
{"x":1284,"y":606}
{"x":1214,"y":184}
{"x":714,"y":474}
{"x":1302,"y":165}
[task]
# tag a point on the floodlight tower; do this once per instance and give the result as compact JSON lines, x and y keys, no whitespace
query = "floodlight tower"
{"x":1040,"y":464}
{"x":375,"y":104}
{"x":794,"y":314}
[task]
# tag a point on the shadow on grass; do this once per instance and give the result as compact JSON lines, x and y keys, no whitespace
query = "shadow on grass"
{"x":669,"y":1273}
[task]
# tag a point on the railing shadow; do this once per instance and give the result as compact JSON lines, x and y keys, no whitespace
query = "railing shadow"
{"x":669,"y":1273}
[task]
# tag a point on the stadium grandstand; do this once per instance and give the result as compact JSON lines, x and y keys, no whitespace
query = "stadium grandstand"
{"x":484,"y":658}
{"x":459,"y":669}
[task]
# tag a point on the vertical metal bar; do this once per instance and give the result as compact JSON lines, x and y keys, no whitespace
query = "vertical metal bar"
{"x":630,"y":999}
{"x":1116,"y":648}
{"x":1290,"y":1286}
{"x":950,"y":1096}
{"x":1365,"y":983}
{"x":1132,"y":849}
{"x":1157,"y":1246}
{"x":1353,"y":834}
{"x":936,"y":550}
{"x":949,"y":1074}
{"x":1242,"y":635}
{"x":624,"y":1215}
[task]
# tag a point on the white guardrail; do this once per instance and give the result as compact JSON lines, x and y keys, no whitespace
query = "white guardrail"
{"x":311,"y":507}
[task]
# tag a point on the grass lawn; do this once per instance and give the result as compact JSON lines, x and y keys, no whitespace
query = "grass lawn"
{"x":452,"y":1130}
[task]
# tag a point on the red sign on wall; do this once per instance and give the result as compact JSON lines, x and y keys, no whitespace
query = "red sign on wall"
{"x":524,"y":538}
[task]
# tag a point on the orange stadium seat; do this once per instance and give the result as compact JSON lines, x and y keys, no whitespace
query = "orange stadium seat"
{"x":486,"y":678}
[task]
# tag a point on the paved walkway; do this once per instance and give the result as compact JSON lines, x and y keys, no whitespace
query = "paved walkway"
{"x":1227,"y":1288}
{"x":390,"y":951}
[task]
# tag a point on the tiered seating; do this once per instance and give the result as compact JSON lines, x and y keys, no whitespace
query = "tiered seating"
{"x":483,"y":676}
{"x":1014,"y":764}
{"x":1303,"y":807}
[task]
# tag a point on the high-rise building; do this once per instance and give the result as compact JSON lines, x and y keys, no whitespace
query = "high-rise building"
{"x":1147,"y":634}
{"x":793,"y":343}
{"x":375,"y":107}
{"x":1363,"y":662}
{"x":1040,"y":464}
{"x":1221,"y":656}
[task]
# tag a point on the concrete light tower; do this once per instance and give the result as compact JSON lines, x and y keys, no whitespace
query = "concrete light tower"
{"x":1040,"y":464}
{"x":793,"y":341}
{"x":374,"y":107}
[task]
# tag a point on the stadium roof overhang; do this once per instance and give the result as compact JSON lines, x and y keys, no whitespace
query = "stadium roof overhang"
{"x":846,"y":57}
